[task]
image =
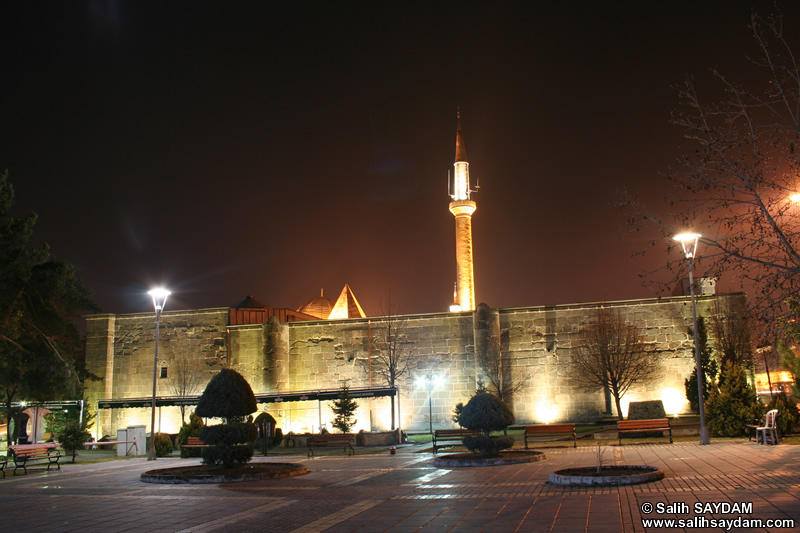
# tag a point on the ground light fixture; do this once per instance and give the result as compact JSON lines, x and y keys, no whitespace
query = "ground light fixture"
{"x":159,"y":300}
{"x":689,"y":243}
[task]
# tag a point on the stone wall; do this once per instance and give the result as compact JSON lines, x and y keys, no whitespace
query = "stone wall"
{"x":534,"y":342}
{"x":120,"y":350}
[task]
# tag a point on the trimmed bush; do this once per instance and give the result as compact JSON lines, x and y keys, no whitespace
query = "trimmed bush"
{"x":488,"y":445}
{"x":485,"y":413}
{"x":227,"y":395}
{"x":647,"y":410}
{"x":163,"y":445}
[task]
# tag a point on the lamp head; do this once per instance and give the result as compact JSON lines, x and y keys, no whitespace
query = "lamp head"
{"x":159,"y":298}
{"x":689,"y":243}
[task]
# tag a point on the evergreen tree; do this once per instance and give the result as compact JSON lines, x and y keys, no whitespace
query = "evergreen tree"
{"x":708,"y":365}
{"x":732,"y":404}
{"x":344,"y":407}
{"x":40,"y":297}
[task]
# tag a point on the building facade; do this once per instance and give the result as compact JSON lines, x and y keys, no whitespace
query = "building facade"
{"x":284,"y":356}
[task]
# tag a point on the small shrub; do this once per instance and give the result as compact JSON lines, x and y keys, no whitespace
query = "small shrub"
{"x":192,"y":429}
{"x":163,"y":445}
{"x":72,"y":438}
{"x":788,"y":414}
{"x":228,"y":443}
{"x":488,"y":445}
{"x":646,"y":410}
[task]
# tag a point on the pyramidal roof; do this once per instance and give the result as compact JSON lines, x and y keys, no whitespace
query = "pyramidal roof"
{"x":346,"y":306}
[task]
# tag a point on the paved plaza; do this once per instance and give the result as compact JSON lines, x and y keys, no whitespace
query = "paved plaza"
{"x":406,"y":492}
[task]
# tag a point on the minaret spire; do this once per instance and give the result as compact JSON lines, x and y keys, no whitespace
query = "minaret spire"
{"x":462,"y":208}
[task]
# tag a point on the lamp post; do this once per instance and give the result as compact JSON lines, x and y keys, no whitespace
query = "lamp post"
{"x":689,"y":243}
{"x":430,"y":378}
{"x":159,"y":299}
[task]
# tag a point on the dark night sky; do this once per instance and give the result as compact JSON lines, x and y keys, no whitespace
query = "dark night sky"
{"x":271,"y":149}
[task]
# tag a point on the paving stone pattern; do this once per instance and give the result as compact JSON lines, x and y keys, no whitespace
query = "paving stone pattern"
{"x":406,"y":492}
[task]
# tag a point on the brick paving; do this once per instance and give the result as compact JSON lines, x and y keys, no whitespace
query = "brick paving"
{"x":406,"y":492}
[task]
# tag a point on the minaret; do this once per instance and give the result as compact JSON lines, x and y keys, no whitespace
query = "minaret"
{"x":462,"y":208}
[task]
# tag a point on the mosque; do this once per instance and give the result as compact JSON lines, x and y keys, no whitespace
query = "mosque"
{"x":297,"y":360}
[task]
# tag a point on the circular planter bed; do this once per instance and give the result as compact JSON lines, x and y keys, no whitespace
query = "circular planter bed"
{"x":503,"y":458}
{"x":608,"y":476}
{"x":217,"y":474}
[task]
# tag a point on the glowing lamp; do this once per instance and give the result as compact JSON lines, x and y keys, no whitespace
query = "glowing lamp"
{"x":689,"y":243}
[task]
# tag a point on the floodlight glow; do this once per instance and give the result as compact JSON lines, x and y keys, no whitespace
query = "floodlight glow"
{"x":795,"y":197}
{"x":689,"y":243}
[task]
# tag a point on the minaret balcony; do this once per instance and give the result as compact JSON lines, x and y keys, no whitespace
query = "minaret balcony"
{"x":462,"y":208}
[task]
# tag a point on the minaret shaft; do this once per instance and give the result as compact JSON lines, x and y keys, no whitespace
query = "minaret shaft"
{"x":462,"y":208}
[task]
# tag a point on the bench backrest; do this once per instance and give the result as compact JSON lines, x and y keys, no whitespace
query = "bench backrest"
{"x":550,"y":428}
{"x":194,"y":441}
{"x":27,"y":452}
{"x":335,"y":437}
{"x":657,"y":423}
{"x":454,"y":433}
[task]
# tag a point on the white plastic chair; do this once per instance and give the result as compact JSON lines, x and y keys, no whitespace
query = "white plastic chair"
{"x":768,"y":433}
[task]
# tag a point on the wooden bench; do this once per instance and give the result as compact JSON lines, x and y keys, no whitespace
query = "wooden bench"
{"x":23,"y":456}
{"x":444,"y":438}
{"x":551,"y":430}
{"x":194,"y":442}
{"x":3,"y":463}
{"x":346,"y":440}
{"x":638,"y":426}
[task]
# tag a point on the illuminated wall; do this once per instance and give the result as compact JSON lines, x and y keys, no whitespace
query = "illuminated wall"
{"x":535,"y":342}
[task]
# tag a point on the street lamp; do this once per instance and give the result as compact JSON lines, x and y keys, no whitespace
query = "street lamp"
{"x":689,"y":243}
{"x":159,"y":299}
{"x":430,"y":378}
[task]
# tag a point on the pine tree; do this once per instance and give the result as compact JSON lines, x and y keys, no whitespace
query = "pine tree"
{"x":733,"y":404}
{"x":344,"y":407}
{"x":707,"y":364}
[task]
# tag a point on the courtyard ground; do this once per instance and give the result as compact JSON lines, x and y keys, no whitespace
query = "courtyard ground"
{"x":405,"y":492}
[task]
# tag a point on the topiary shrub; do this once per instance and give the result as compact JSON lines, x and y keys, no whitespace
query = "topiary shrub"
{"x":733,"y":404}
{"x":192,"y":429}
{"x":788,"y":414}
{"x":227,"y":395}
{"x":485,"y":413}
{"x":646,"y":410}
{"x":163,"y":445}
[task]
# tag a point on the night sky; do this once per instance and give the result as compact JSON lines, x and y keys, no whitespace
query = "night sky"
{"x":271,"y":149}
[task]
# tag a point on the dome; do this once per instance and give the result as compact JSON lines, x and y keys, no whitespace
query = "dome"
{"x":319,"y":307}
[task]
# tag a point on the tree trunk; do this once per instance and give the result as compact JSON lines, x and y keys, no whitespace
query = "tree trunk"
{"x":619,"y":405}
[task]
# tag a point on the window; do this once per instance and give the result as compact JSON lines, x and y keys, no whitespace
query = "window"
{"x":163,"y":374}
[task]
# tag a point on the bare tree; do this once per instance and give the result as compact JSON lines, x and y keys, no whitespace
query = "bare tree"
{"x":730,"y":326}
{"x":611,"y":353}
{"x":734,"y":185}
{"x":185,"y":379}
{"x":495,"y":365}
{"x":391,"y":357}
